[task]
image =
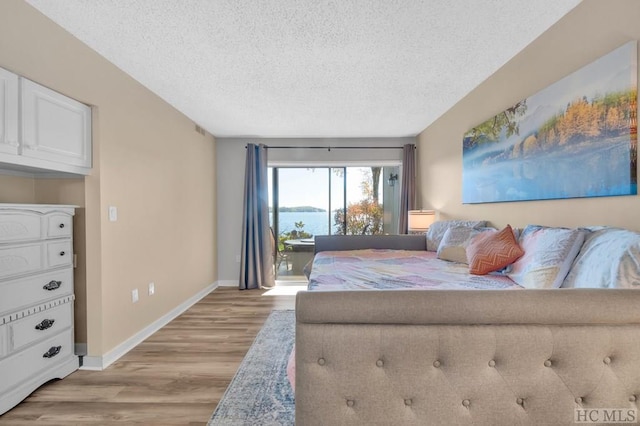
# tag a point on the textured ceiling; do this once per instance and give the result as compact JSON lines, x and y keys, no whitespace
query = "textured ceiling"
{"x":308,"y":68}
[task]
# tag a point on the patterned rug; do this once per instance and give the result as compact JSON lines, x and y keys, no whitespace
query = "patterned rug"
{"x":260,"y":393}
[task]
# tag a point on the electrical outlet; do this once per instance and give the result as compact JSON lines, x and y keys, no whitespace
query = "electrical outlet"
{"x":113,"y":213}
{"x":134,"y":295}
{"x":152,"y":289}
{"x":237,"y":258}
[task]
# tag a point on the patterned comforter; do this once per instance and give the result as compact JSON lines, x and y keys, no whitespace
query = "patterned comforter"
{"x":396,"y":269}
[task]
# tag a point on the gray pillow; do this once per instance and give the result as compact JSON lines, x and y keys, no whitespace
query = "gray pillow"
{"x":437,"y":230}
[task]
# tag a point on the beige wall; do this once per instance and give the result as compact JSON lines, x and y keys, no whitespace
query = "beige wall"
{"x":590,"y":31}
{"x":15,"y":189}
{"x":148,"y":161}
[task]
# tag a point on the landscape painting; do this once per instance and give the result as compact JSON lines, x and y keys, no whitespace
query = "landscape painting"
{"x":575,"y":138}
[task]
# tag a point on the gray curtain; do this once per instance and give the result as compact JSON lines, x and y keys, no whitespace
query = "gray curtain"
{"x":256,"y":257}
{"x":408,"y":188}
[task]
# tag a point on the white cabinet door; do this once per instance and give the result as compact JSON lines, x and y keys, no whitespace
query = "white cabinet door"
{"x":8,"y":112}
{"x":54,"y":127}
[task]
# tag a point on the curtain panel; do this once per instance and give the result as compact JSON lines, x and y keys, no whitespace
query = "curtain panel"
{"x":256,"y":259}
{"x":408,"y":189}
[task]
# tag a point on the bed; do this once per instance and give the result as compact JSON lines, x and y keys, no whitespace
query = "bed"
{"x":386,"y":269}
{"x":464,"y":353}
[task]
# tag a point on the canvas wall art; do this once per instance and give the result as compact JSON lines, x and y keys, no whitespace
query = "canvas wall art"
{"x":575,"y":138}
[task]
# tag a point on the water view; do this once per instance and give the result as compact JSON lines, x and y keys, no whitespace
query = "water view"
{"x":315,"y":223}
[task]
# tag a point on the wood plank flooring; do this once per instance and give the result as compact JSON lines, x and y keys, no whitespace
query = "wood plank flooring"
{"x":175,"y":377}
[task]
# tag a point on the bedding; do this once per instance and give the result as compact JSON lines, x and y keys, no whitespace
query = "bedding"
{"x":609,"y":258}
{"x":548,"y":255}
{"x":383,"y":269}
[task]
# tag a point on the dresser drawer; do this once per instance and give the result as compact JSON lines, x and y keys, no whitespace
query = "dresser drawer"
{"x":20,"y":226}
{"x":39,"y":326}
{"x":59,"y":253}
{"x":22,"y":365}
{"x":21,"y":259}
{"x":59,"y":225}
{"x":20,"y":293}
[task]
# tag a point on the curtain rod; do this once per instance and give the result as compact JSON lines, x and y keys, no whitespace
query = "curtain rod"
{"x":329,"y":148}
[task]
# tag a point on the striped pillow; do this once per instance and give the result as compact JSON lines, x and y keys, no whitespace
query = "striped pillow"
{"x":492,"y":251}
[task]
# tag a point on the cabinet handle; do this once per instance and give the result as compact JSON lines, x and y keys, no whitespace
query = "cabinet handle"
{"x":61,"y":226}
{"x":46,"y":323}
{"x":53,"y":351}
{"x":61,"y":253}
{"x":52,"y":285}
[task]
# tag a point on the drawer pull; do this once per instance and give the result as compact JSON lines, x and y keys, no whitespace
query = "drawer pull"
{"x":46,"y":323}
{"x":53,"y":351}
{"x":52,"y":285}
{"x":61,"y":226}
{"x":62,"y":253}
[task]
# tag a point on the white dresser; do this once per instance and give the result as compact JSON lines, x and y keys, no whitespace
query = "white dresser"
{"x":36,"y":298}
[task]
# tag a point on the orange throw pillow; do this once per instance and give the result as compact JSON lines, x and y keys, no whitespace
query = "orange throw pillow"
{"x":492,"y":251}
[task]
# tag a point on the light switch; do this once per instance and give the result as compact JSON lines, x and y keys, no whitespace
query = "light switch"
{"x":113,"y":213}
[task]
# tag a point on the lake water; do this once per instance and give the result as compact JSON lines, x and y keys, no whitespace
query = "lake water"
{"x":315,"y":223}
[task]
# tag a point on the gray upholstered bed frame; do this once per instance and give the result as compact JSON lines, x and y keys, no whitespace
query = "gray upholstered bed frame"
{"x":447,"y":357}
{"x":355,"y":242}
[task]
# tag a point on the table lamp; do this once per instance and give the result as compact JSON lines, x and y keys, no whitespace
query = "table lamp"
{"x":420,"y":220}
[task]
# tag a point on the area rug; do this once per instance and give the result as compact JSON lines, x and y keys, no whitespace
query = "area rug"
{"x":260,"y":393}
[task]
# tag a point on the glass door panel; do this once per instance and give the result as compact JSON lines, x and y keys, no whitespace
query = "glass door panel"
{"x":306,"y":201}
{"x":302,"y":210}
{"x":364,"y":214}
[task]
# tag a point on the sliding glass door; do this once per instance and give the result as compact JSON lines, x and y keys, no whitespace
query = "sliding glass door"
{"x":310,"y":201}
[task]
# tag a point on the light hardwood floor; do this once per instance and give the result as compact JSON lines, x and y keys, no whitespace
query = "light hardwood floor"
{"x":175,"y":377}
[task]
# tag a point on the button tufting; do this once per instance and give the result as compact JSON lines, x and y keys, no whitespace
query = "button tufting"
{"x":607,"y":360}
{"x":632,"y":398}
{"x":350,"y":403}
{"x":436,"y":363}
{"x":408,"y":402}
{"x":519,"y":401}
{"x":492,"y":363}
{"x":379,"y":363}
{"x":547,"y":363}
{"x":466,"y":402}
{"x":579,"y":400}
{"x":321,"y":361}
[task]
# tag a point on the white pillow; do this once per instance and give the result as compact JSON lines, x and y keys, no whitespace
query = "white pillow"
{"x":453,"y":246}
{"x":548,"y":255}
{"x":609,"y":258}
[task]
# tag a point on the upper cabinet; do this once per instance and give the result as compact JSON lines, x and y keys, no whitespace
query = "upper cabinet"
{"x":54,"y":127}
{"x":8,"y":112}
{"x":42,"y":131}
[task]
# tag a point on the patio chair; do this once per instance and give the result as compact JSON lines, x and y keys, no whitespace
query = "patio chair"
{"x":278,"y":256}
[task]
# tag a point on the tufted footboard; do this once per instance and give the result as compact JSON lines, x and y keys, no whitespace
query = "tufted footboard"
{"x":529,"y":357}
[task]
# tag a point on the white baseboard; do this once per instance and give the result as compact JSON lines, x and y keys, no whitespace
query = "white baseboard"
{"x":228,"y":283}
{"x":101,"y":362}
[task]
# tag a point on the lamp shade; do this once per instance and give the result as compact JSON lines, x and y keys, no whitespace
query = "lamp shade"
{"x":420,"y":220}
